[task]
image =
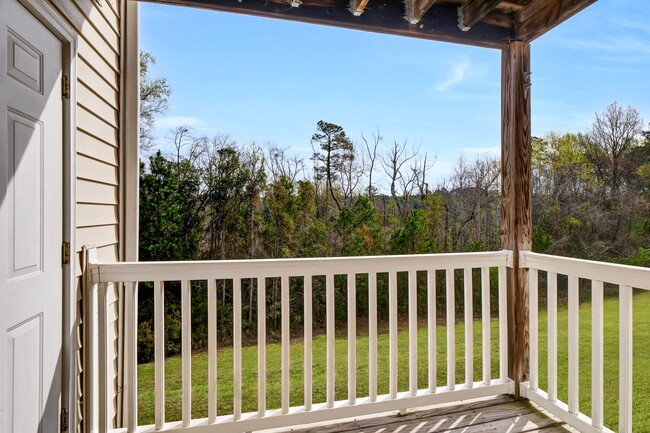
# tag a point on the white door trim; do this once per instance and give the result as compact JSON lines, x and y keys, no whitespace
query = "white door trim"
{"x":57,"y":24}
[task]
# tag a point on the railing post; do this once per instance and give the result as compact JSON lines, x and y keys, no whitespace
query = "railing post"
{"x":516,"y":215}
{"x":89,"y":348}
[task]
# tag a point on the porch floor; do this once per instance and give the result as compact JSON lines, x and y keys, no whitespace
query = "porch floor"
{"x":494,"y":414}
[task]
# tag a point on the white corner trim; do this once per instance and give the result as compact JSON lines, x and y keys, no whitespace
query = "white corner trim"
{"x":130,"y":133}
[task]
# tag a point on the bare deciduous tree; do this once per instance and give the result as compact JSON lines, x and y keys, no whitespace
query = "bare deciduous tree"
{"x":614,"y":133}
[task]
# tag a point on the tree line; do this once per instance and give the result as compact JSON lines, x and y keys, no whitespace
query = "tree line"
{"x":212,"y":198}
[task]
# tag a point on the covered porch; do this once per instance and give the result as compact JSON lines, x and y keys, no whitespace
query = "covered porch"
{"x":508,"y":282}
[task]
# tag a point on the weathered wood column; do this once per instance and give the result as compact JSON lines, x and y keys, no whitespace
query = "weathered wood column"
{"x":516,"y":215}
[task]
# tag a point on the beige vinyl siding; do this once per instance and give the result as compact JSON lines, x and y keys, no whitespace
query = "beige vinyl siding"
{"x":89,"y":215}
{"x":104,"y":88}
{"x":100,"y":107}
{"x":90,"y":146}
{"x":93,"y":125}
{"x":94,"y":192}
{"x":98,"y":138}
{"x":96,"y":170}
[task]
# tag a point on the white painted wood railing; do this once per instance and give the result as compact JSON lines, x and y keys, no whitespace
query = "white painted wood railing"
{"x":597,"y":273}
{"x":99,"y":393}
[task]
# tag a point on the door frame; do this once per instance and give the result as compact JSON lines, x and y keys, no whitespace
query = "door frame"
{"x":59,"y":27}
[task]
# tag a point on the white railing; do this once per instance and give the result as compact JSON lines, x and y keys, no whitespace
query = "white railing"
{"x":100,"y":389}
{"x":598,"y":274}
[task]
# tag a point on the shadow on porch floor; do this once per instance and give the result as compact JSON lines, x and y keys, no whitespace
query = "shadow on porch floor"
{"x":494,"y":414}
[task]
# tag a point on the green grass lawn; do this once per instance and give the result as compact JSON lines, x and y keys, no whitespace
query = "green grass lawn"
{"x":173,"y":392}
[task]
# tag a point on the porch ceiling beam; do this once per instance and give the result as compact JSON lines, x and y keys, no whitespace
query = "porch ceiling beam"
{"x":415,"y":9}
{"x":542,"y":15}
{"x":357,"y":6}
{"x":439,"y":24}
{"x":473,"y":11}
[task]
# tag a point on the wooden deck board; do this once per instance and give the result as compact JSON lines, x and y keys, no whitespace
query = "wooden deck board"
{"x":498,"y":414}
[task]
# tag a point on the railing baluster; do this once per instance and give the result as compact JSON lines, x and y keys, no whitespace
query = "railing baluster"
{"x":212,"y":350}
{"x":261,"y":346}
{"x":286,"y":362}
{"x":533,"y":325}
{"x":352,"y":339}
{"x":372,"y":335}
{"x":486,"y":325}
{"x":308,"y":342}
{"x":469,"y":328}
{"x":237,"y":360}
{"x":413,"y":332}
{"x":329,"y":311}
{"x":503,"y":326}
{"x":159,"y":348}
{"x":552,"y":336}
{"x":102,"y":356}
{"x":597,"y":353}
{"x":392,"y":333}
{"x":451,"y":330}
{"x":90,"y":360}
{"x":186,"y":350}
{"x":573,"y":345}
{"x":131,"y":355}
{"x":431,"y":328}
{"x":625,"y":360}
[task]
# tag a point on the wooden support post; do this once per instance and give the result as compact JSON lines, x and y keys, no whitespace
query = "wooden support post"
{"x":516,"y":216}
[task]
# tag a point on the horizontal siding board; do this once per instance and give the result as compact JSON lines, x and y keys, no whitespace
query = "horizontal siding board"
{"x":112,"y":294}
{"x":92,"y":169}
{"x":97,"y":62}
{"x":94,"y":148}
{"x":106,"y":46}
{"x":95,"y":126}
{"x":98,"y":193}
{"x":97,"y":105}
{"x":106,"y":23}
{"x":99,"y":236}
{"x":105,"y":87}
{"x":96,"y":214}
{"x":112,"y":317}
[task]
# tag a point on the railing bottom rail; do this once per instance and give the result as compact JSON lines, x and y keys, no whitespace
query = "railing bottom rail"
{"x":560,"y":409}
{"x":341,"y":410}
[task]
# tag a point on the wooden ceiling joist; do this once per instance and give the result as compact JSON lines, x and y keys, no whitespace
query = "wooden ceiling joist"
{"x":541,"y":16}
{"x":473,"y":12}
{"x":439,"y":24}
{"x":357,"y":6}
{"x":481,"y":23}
{"x":415,"y":9}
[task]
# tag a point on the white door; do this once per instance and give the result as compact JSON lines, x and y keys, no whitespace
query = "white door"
{"x":31,"y":221}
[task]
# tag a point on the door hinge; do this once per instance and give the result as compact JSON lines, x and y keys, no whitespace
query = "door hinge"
{"x":65,"y":90}
{"x":65,"y":419}
{"x":65,"y":253}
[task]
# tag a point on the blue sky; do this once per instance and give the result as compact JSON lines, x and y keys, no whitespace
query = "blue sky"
{"x":263,"y":80}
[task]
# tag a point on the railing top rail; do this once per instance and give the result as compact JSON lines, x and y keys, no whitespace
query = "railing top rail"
{"x":624,"y":275}
{"x":225,"y":269}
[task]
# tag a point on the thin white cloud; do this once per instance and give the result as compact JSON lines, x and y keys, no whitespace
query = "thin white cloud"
{"x":174,"y":121}
{"x":632,"y":24}
{"x":482,"y":151}
{"x":621,"y":70}
{"x":459,"y":72}
{"x":617,"y":44}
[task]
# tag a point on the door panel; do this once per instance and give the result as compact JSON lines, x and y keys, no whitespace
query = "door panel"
{"x":31,"y":223}
{"x":24,"y":167}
